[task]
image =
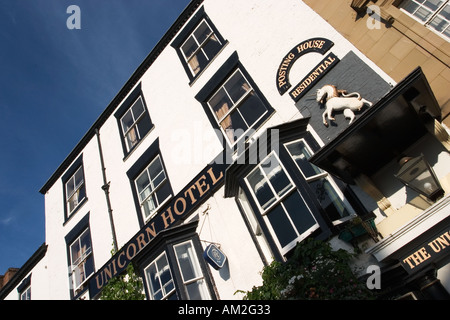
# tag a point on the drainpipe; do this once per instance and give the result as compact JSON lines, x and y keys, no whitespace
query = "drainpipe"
{"x":105,"y":188}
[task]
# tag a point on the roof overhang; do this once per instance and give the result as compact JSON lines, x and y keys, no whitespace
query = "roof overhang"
{"x":384,"y":132}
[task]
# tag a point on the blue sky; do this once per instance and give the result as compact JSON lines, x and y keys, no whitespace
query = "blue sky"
{"x":54,"y":84}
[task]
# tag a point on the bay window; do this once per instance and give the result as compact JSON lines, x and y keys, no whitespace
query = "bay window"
{"x":173,"y":267}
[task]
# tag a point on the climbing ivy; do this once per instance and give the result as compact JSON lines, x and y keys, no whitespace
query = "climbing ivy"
{"x":314,"y":271}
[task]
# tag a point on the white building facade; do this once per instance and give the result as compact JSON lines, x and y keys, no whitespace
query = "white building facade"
{"x":197,"y":172}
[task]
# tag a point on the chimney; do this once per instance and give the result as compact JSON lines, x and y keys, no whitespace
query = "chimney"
{"x":7,"y":276}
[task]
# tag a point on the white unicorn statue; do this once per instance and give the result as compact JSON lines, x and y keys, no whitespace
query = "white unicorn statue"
{"x":336,"y":100}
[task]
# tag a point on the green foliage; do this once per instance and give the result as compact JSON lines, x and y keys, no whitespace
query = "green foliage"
{"x":127,"y":286}
{"x":314,"y":271}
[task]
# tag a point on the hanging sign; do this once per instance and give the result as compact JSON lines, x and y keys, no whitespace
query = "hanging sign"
{"x":320,"y":45}
{"x":214,"y":256}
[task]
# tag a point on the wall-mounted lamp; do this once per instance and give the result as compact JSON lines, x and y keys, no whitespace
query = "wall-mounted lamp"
{"x":417,"y":174}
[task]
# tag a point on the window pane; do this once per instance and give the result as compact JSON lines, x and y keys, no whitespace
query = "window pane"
{"x":301,"y":154}
{"x":211,"y":47}
{"x":89,"y":266}
{"x":281,"y":225}
{"x":132,"y":138}
{"x":164,"y":271}
{"x":142,"y":182}
{"x":198,"y":62}
{"x":197,"y":290}
{"x":144,"y":125}
{"x":127,"y":121}
{"x":81,"y":193}
{"x":261,"y":189}
{"x":252,"y":108}
{"x":220,"y":104}
{"x":433,"y":5}
{"x":410,"y":6}
{"x":75,"y":251}
{"x":152,"y":278}
{"x":329,"y":199}
{"x":137,"y":108}
{"x":299,"y":212}
{"x":78,"y":177}
{"x":155,"y":169}
{"x":189,"y":47}
{"x":438,"y":23}
{"x":423,"y":14}
{"x":447,"y":31}
{"x":85,"y":241}
{"x":276,"y":175}
{"x":73,"y":202}
{"x":202,"y":32}
{"x":235,"y":124}
{"x":163,"y":193}
{"x":159,"y":278}
{"x":149,"y":205}
{"x":187,"y":261}
{"x":236,"y":86}
{"x":70,"y":187}
{"x":445,"y":13}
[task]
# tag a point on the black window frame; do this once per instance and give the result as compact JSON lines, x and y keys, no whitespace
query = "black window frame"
{"x":223,"y":74}
{"x":123,"y":109}
{"x":187,"y":31}
{"x":82,"y":226}
{"x":288,"y":132}
{"x":138,"y":168}
{"x":77,"y":164}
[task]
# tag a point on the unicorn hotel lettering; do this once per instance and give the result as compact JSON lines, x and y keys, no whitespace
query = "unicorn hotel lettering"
{"x":249,"y":128}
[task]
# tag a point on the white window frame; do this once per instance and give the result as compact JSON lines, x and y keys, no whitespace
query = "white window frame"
{"x":194,"y":260}
{"x":26,"y":293}
{"x":235,"y":106}
{"x":76,"y":188}
{"x":154,"y":189}
{"x":200,"y":45}
{"x":323,"y":175}
{"x":75,"y":265}
{"x":165,"y":294}
{"x":428,"y":21}
{"x":278,"y":201}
